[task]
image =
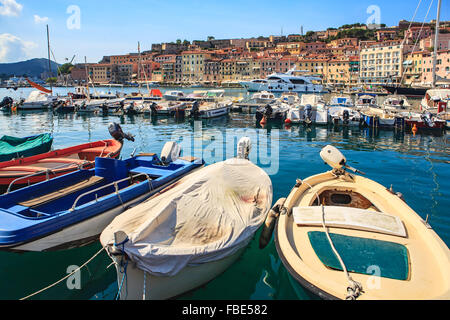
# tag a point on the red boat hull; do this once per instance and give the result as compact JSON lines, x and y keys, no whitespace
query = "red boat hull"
{"x":58,"y":162}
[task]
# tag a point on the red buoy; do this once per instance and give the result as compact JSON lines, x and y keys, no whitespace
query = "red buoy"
{"x":288,"y":121}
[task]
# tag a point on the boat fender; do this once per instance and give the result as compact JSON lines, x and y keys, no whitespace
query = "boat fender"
{"x":269,"y":224}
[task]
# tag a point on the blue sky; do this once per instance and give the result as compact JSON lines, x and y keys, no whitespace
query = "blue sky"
{"x":115,"y":26}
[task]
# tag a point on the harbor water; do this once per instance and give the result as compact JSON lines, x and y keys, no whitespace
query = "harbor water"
{"x":415,"y":165}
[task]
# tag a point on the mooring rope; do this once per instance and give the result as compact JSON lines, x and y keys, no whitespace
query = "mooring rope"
{"x":61,"y":280}
{"x":355,"y":288}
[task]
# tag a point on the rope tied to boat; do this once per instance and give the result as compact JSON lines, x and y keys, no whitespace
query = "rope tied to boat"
{"x":66,"y":277}
{"x":355,"y":289}
{"x":122,"y":266}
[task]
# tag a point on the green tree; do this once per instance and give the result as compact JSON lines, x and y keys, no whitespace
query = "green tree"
{"x":179,"y":41}
{"x":51,"y":80}
{"x":66,"y":68}
{"x":210,"y":38}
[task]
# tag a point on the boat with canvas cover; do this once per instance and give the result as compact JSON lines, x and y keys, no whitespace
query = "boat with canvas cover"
{"x":343,"y":236}
{"x":15,"y":148}
{"x":191,"y":232}
{"x":72,"y":210}
{"x":18,"y":173}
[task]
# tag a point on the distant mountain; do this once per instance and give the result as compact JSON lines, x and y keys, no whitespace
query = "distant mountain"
{"x":31,"y":68}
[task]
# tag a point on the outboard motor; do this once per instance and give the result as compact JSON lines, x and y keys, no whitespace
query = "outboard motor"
{"x":115,"y":130}
{"x":153,"y":109}
{"x":268,"y":111}
{"x":308,"y":114}
{"x":105,"y":108}
{"x":244,"y":148}
{"x":346,"y":117}
{"x":427,"y":119}
{"x":6,"y":103}
{"x":195,"y":111}
{"x":170,"y":152}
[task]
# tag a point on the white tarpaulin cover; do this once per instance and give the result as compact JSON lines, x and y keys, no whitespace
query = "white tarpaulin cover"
{"x":206,"y":216}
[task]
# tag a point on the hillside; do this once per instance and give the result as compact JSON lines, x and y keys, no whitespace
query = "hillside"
{"x":30,"y":68}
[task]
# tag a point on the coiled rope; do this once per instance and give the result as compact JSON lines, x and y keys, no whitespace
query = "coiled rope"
{"x":355,"y":289}
{"x":70,"y":274}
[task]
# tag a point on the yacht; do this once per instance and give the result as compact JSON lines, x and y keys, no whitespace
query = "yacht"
{"x":293,"y":80}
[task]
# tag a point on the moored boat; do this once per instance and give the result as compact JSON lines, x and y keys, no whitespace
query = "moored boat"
{"x":189,"y":233}
{"x":73,"y":209}
{"x":15,"y":148}
{"x":311,"y":110}
{"x":263,"y":97}
{"x":343,"y":236}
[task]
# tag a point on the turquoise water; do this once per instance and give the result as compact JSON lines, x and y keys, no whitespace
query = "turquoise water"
{"x":416,"y":166}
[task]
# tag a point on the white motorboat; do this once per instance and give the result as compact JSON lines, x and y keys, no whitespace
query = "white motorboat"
{"x":190,"y":232}
{"x":168,"y":108}
{"x":293,"y":80}
{"x":174,"y":95}
{"x":207,"y":109}
{"x":394,"y":103}
{"x":312,"y":109}
{"x":341,"y":101}
{"x":98,"y":105}
{"x":263,"y":97}
{"x":37,"y":100}
{"x":366,"y":100}
{"x":435,"y":100}
{"x":344,"y":116}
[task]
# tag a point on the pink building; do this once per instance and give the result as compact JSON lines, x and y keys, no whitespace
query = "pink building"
{"x":443,"y":43}
{"x":442,"y":66}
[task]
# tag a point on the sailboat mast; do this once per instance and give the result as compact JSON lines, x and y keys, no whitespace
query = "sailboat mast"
{"x":436,"y":40}
{"x":49,"y":61}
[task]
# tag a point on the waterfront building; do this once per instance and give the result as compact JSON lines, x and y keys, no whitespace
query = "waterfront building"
{"x":194,"y":65}
{"x":78,"y":73}
{"x":414,"y":66}
{"x":213,"y":72}
{"x":442,"y":67}
{"x":381,"y":64}
{"x":443,"y":44}
{"x":102,"y":73}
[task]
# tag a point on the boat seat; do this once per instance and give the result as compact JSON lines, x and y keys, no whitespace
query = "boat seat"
{"x":92,"y":153}
{"x":61,"y":160}
{"x":350,"y":218}
{"x":49,"y":197}
{"x":151,"y":172}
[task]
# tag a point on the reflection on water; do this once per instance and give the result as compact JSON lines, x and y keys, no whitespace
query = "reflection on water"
{"x":417,"y":166}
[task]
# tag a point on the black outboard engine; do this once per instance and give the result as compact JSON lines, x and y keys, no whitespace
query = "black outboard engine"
{"x":346,"y":117}
{"x":195,"y":111}
{"x":427,"y":119}
{"x":268,"y":111}
{"x":115,"y":130}
{"x":308,"y":114}
{"x":153,"y":108}
{"x":6,"y":103}
{"x":105,"y":108}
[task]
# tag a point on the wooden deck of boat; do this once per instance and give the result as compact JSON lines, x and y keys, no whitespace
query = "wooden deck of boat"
{"x":35,"y":202}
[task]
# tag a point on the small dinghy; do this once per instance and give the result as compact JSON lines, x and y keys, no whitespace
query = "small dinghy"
{"x":72,"y":210}
{"x":343,"y":236}
{"x":16,"y":174}
{"x":15,"y":148}
{"x":191,"y":232}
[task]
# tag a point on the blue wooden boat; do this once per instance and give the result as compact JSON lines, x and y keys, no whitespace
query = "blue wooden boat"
{"x":72,"y":210}
{"x":14,"y":148}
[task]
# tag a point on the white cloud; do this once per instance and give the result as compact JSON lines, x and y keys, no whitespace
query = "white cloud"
{"x":13,"y":48}
{"x":10,"y":8}
{"x":39,"y":20}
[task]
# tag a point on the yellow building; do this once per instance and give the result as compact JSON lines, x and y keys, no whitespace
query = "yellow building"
{"x":414,"y":66}
{"x":193,"y":65}
{"x":314,"y":65}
